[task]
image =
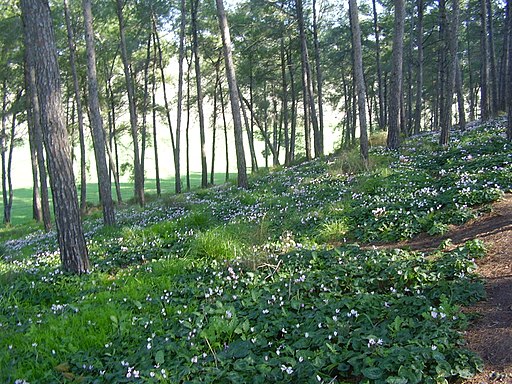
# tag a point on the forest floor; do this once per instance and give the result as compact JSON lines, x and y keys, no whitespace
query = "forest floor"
{"x":490,"y":334}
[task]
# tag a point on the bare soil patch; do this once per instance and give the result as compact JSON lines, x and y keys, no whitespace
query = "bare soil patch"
{"x":490,"y":335}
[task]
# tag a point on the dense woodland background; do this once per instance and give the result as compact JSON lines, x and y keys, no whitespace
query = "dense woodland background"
{"x":401,"y":67}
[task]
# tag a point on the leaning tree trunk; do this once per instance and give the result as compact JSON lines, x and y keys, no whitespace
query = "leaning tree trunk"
{"x":97,"y":130}
{"x":139,"y":177}
{"x":80,"y":115}
{"x":359,"y":77}
{"x":396,"y":76}
{"x":42,"y":55}
{"x":234,"y":95}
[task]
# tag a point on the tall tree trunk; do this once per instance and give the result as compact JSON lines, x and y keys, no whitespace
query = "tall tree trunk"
{"x":37,"y":135}
{"x":396,"y":76}
{"x":284,"y":102}
{"x":451,"y":47}
{"x":470,"y":72}
{"x":138,"y":176}
{"x":509,"y":72}
{"x":309,"y":98}
{"x":460,"y":95}
{"x":502,"y":91}
{"x":113,"y":157}
{"x":214,"y":119}
{"x":293,"y":128}
{"x":42,"y":54}
{"x":97,"y":131}
{"x":145,"y":107}
{"x":380,"y":86}
{"x":224,"y":122}
{"x":419,"y":79}
{"x":37,"y":213}
{"x":3,"y":150}
{"x":484,"y":75}
{"x":177,"y":176}
{"x":234,"y":95}
{"x":154,"y":110}
{"x":250,"y":127}
{"x":319,"y":76}
{"x":199,"y":89}
{"x":359,"y":77}
{"x":181,"y":58}
{"x":79,"y":110}
{"x":493,"y":80}
{"x":187,"y":129}
{"x":12,"y":137}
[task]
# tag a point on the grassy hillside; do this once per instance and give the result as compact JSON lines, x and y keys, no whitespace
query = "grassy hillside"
{"x":265,"y":285}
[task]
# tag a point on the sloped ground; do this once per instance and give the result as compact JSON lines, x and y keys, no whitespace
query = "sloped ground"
{"x":490,"y":335}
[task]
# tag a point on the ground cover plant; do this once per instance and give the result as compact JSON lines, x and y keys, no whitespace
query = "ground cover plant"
{"x":224,"y":285}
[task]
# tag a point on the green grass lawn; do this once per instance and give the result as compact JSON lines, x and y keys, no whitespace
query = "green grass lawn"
{"x":22,"y":198}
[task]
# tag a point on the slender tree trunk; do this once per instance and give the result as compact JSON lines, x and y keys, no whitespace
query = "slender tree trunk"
{"x":187,"y":129}
{"x":309,"y":98}
{"x":42,"y":54}
{"x":484,"y":75}
{"x":79,"y":110}
{"x":460,"y":95}
{"x":167,"y":109}
{"x":284,"y":103}
{"x":37,"y":135}
{"x":293,"y":128}
{"x":493,"y":80}
{"x":139,"y":182}
{"x":419,"y":79}
{"x":234,"y":95}
{"x":319,"y":76}
{"x":509,"y":72}
{"x":396,"y":76}
{"x":224,"y":121}
{"x":471,"y":82}
{"x":359,"y":77}
{"x":145,"y":107}
{"x":380,"y":86}
{"x":3,"y":150}
{"x":197,"y":65}
{"x":177,"y":156}
{"x":250,"y":127}
{"x":154,"y":110}
{"x":97,"y":131}
{"x":8,"y":206}
{"x":37,"y":213}
{"x":214,"y":120}
{"x":502,"y":92}
{"x":113,"y":157}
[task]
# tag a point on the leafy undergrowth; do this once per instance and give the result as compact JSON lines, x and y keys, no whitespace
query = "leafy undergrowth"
{"x":265,"y":285}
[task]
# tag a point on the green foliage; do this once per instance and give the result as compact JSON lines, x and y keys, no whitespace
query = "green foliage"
{"x":223,"y":285}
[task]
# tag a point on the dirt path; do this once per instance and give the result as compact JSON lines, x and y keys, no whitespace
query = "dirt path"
{"x":491,"y":333}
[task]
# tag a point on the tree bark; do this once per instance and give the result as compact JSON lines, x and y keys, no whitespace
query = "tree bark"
{"x":97,"y":130}
{"x":319,"y":76}
{"x":177,"y":159}
{"x":396,"y":77}
{"x":42,"y":52}
{"x":359,"y":77}
{"x":139,"y":182}
{"x":234,"y":96}
{"x":509,"y":72}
